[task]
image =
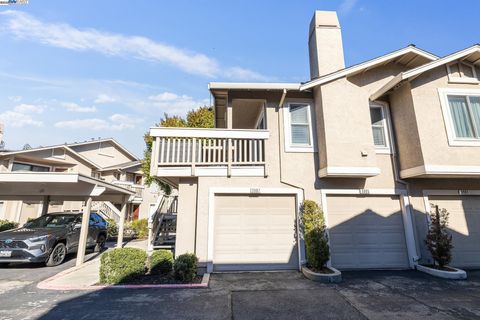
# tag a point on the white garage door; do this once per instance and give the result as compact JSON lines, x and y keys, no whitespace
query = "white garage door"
{"x":255,"y":233}
{"x":464,"y":225}
{"x":366,"y":232}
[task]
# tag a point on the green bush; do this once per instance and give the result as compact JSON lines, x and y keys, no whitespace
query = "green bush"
{"x":161,"y":262}
{"x":185,"y":267}
{"x":112,"y":228}
{"x":122,"y":264}
{"x":316,"y":239}
{"x":439,"y":240}
{"x":140,"y":228}
{"x":7,"y":225}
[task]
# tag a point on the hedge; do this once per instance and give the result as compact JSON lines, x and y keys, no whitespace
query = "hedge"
{"x":122,"y":264}
{"x":161,"y":262}
{"x":7,"y":225}
{"x":316,"y":240}
{"x":185,"y":267}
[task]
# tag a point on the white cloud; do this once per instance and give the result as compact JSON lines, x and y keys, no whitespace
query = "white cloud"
{"x":18,"y":119}
{"x":104,"y":98}
{"x":116,"y":122}
{"x":174,"y":104}
{"x":73,"y":107}
{"x":15,"y":98}
{"x":62,"y":35}
{"x":28,"y":108}
{"x":347,"y":6}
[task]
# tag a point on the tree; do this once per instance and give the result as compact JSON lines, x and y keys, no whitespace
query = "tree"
{"x":203,"y":117}
{"x":439,"y":241}
{"x":315,"y":233}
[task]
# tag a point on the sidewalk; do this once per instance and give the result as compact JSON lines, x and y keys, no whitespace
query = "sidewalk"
{"x":87,"y":276}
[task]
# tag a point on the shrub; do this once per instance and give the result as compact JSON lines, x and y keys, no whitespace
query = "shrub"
{"x":112,"y":228}
{"x":140,"y":228}
{"x":316,"y":239}
{"x":7,"y":225}
{"x":161,"y":262}
{"x":185,"y":267}
{"x":122,"y":264}
{"x":439,"y":241}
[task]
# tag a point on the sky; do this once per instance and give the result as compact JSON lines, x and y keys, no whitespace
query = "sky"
{"x":75,"y":70}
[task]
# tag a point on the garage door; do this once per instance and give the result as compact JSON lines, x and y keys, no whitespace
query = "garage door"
{"x":254,"y":233}
{"x":464,"y":225}
{"x":366,"y":232}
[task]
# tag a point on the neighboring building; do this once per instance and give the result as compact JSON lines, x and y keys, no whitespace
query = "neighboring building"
{"x":104,"y":159}
{"x":375,"y":144}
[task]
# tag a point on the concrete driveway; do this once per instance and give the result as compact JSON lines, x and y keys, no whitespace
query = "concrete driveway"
{"x":283,"y":295}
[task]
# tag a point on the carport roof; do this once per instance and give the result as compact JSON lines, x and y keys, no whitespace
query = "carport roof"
{"x":58,"y":186}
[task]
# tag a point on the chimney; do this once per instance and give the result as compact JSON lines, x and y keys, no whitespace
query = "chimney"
{"x":325,"y":44}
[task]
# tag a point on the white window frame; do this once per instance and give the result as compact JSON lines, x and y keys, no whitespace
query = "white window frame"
{"x":289,"y":146}
{"x":31,"y":164}
{"x":462,"y":79}
{"x":447,"y":116}
{"x":387,"y":149}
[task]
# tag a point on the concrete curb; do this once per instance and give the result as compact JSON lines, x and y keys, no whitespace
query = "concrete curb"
{"x":458,"y":274}
{"x":47,"y":284}
{"x":334,"y":277}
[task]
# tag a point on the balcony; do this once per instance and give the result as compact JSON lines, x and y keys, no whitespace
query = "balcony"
{"x":138,"y":189}
{"x":182,"y":152}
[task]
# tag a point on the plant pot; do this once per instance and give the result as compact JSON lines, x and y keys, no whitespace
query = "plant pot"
{"x":455,"y":274}
{"x":334,"y":277}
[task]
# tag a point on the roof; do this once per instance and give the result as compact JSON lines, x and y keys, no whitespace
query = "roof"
{"x":465,"y":54}
{"x":253,"y":86}
{"x":104,"y":140}
{"x":361,"y":67}
{"x":122,"y":166}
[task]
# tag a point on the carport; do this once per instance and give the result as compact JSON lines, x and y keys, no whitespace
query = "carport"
{"x":59,"y":186}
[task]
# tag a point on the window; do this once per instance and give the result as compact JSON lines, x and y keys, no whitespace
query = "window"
{"x":298,"y":128}
{"x":465,"y":116}
{"x":462,"y":72}
{"x":379,"y":127}
{"x":17,"y":166}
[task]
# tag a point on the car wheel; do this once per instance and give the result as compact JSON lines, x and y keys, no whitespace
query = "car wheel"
{"x":100,"y":243}
{"x":57,"y":256}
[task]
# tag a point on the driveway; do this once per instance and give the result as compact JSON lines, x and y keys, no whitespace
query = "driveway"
{"x":283,"y":295}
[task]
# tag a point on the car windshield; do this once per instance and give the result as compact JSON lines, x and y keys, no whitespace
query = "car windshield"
{"x":51,"y":221}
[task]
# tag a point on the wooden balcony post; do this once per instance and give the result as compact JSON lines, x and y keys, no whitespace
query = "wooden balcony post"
{"x":229,"y":157}
{"x":194,"y":155}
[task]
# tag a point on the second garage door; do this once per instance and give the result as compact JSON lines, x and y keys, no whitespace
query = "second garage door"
{"x":366,"y":232}
{"x":464,"y":225}
{"x":255,"y":233}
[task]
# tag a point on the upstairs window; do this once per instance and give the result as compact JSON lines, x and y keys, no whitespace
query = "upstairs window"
{"x":379,"y":127}
{"x":465,"y":116}
{"x":298,"y":128}
{"x":462,"y":72}
{"x":18,"y":166}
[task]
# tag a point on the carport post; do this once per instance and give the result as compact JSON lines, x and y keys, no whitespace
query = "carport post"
{"x":45,"y":204}
{"x":121,"y":223}
{"x":82,"y":241}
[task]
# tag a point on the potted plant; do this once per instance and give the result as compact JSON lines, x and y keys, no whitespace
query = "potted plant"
{"x":439,"y":243}
{"x":316,"y":244}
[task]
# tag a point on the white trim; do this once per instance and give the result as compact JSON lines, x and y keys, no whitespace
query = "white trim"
{"x":209,"y":133}
{"x":217,"y":171}
{"x":104,"y":140}
{"x":367,"y":64}
{"x":383,"y":106}
{"x":349,"y":172}
{"x":253,"y":86}
{"x":405,"y":205}
{"x":447,"y":116}
{"x":462,"y":79}
{"x":247,"y":190}
{"x":289,"y":146}
{"x":441,"y":171}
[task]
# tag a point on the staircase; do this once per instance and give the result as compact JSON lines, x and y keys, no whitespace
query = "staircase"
{"x":107,"y":210}
{"x":163,"y":223}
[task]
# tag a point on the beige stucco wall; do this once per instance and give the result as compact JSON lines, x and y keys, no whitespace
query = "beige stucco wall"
{"x":104,"y":154}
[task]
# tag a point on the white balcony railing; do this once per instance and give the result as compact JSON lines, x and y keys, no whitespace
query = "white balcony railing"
{"x":175,"y":147}
{"x":138,"y":189}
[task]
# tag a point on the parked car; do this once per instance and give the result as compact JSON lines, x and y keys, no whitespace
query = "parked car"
{"x":50,"y":238}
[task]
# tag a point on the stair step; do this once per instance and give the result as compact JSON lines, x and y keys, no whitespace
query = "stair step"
{"x":164,"y":247}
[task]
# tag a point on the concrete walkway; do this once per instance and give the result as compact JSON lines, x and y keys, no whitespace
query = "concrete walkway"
{"x":85,"y":276}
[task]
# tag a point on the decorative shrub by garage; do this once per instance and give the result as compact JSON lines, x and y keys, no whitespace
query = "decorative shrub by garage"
{"x":439,"y":240}
{"x":161,"y":262}
{"x":315,"y":234}
{"x":121,"y":265}
{"x":7,"y":225}
{"x":185,"y":267}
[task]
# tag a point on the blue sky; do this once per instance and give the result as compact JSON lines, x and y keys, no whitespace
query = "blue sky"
{"x":75,"y":70}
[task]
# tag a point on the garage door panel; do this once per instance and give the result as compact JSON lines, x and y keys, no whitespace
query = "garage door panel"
{"x":464,"y":225}
{"x":366,"y":232}
{"x":261,"y":236}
